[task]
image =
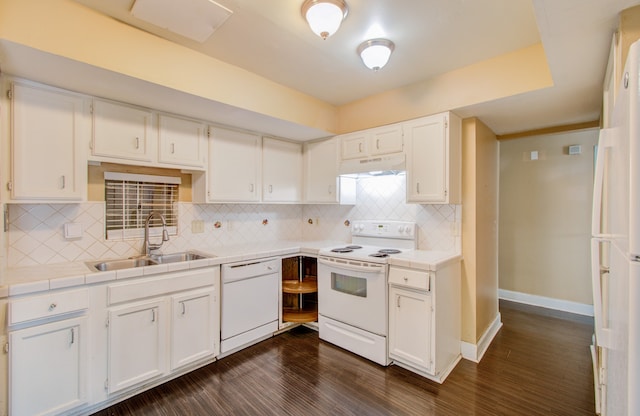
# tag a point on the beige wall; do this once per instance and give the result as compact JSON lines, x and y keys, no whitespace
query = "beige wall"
{"x":545,"y":214}
{"x":479,"y":229}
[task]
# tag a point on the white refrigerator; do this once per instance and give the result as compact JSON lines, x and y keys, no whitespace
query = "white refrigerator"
{"x":615,"y":252}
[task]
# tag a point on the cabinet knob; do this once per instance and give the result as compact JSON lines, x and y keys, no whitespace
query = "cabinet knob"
{"x":53,"y":306}
{"x":406,"y":279}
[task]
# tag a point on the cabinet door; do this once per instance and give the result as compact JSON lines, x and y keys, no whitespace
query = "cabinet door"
{"x":136,"y":344}
{"x":48,"y":128}
{"x":192,"y":327}
{"x":182,"y":142}
{"x":410,"y":318}
{"x":47,"y":368}
{"x":427,"y":157}
{"x":234,"y":166}
{"x":387,"y":139}
{"x":281,"y":171}
{"x":122,"y":132}
{"x":321,"y":171}
{"x":354,"y":145}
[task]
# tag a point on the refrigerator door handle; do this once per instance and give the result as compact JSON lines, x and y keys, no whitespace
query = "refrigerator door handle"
{"x":604,"y":145}
{"x":603,"y":333}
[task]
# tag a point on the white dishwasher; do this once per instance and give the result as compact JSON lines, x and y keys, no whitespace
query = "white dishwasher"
{"x":249,"y":302}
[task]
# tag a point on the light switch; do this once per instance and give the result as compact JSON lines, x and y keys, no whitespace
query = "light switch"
{"x":534,"y":155}
{"x":72,"y":230}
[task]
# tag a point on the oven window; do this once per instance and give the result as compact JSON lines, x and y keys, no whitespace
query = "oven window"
{"x":355,"y":286}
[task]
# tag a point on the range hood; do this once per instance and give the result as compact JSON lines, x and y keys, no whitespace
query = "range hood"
{"x":376,"y":165}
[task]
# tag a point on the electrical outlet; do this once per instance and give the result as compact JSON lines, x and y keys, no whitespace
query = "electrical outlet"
{"x":197,"y":226}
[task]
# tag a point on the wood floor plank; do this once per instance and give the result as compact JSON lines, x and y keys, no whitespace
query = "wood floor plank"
{"x":538,"y":364}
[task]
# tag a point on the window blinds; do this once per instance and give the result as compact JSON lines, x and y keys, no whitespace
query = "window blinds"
{"x":129,"y":199}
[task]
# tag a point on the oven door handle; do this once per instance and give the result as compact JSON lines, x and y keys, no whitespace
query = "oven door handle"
{"x":352,"y":267}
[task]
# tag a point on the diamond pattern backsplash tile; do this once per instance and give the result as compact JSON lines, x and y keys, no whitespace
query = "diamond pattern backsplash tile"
{"x":36,"y":231}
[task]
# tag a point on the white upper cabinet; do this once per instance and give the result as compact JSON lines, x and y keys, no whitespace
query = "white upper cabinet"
{"x":48,"y":131}
{"x":281,"y":171}
{"x":182,"y":142}
{"x":371,"y":142}
{"x":234,"y":166}
{"x":434,"y":159}
{"x":321,"y":171}
{"x":123,"y":132}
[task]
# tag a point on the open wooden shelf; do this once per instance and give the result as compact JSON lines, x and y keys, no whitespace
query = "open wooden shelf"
{"x":296,"y":286}
{"x":308,"y":314}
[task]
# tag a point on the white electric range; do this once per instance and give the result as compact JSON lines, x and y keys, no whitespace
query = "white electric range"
{"x":352,"y":286}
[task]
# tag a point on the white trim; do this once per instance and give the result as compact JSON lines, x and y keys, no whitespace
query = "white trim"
{"x":134,"y":177}
{"x":475,"y":352}
{"x":545,"y":302}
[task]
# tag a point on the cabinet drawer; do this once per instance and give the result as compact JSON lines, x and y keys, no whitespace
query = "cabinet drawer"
{"x":409,"y":278}
{"x":46,"y":306}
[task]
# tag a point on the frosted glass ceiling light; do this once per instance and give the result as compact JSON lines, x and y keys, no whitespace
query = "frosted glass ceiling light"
{"x":324,"y":16}
{"x":375,"y":53}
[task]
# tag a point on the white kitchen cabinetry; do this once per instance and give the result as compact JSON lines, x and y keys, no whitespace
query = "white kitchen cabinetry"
{"x":48,"y":129}
{"x":182,"y":142}
{"x":48,"y":353}
{"x":410,"y":316}
{"x":136,"y":343}
{"x":192,"y":332}
{"x":321,"y":171}
{"x":425,"y":319}
{"x":122,"y":132}
{"x":234,"y":166}
{"x":161,"y":324}
{"x":281,"y":171}
{"x":372,"y":142}
{"x":434,"y":154}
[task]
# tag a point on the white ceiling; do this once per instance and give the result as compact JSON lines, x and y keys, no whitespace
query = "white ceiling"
{"x":270,"y":38}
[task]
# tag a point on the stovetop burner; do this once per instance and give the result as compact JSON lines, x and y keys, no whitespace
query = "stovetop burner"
{"x":354,"y":247}
{"x":379,"y":255}
{"x":389,"y":251}
{"x":342,"y":250}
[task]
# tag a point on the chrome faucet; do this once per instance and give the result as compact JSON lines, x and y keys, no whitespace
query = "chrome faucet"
{"x":148,"y":246}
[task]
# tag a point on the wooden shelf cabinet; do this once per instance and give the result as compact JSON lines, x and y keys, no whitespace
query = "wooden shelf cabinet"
{"x":299,"y":290}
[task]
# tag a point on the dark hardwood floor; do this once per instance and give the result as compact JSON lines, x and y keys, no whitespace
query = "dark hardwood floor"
{"x":538,"y":364}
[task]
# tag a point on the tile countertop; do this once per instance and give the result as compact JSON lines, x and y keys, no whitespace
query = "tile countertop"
{"x":32,"y":279}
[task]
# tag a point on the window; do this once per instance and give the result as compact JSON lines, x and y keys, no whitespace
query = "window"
{"x":131,"y":198}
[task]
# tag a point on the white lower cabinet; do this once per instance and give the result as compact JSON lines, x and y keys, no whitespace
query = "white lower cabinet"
{"x":159,"y":325}
{"x":136,"y":344}
{"x":192,"y":332}
{"x":425,"y":319}
{"x":410,"y":316}
{"x":48,"y":367}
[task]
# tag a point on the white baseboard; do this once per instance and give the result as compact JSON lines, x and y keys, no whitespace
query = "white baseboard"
{"x":545,"y":302}
{"x":475,"y":352}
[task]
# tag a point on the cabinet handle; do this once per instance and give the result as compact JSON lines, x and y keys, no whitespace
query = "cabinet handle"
{"x":270,"y":189}
{"x":406,"y":279}
{"x":64,"y":182}
{"x":418,"y":187}
{"x":173,"y":148}
{"x":137,"y":143}
{"x":329,"y":189}
{"x":53,"y":306}
{"x":398,"y":301}
{"x":184,"y":308}
{"x":377,"y":143}
{"x":250,"y":187}
{"x":153,"y":315}
{"x":360,"y":147}
{"x":73,"y":335}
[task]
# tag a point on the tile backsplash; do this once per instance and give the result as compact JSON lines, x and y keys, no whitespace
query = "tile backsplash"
{"x":36,"y":231}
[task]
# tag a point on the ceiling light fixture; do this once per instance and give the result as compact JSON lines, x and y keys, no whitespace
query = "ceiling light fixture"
{"x":324,"y":16}
{"x":375,"y":53}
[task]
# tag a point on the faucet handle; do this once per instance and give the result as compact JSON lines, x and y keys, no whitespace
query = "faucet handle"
{"x":165,"y":235}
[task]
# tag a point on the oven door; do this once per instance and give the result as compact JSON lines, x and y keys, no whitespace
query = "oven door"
{"x":353,"y":292}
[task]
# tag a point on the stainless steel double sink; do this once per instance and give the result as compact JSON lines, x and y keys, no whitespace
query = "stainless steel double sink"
{"x":150,"y":260}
